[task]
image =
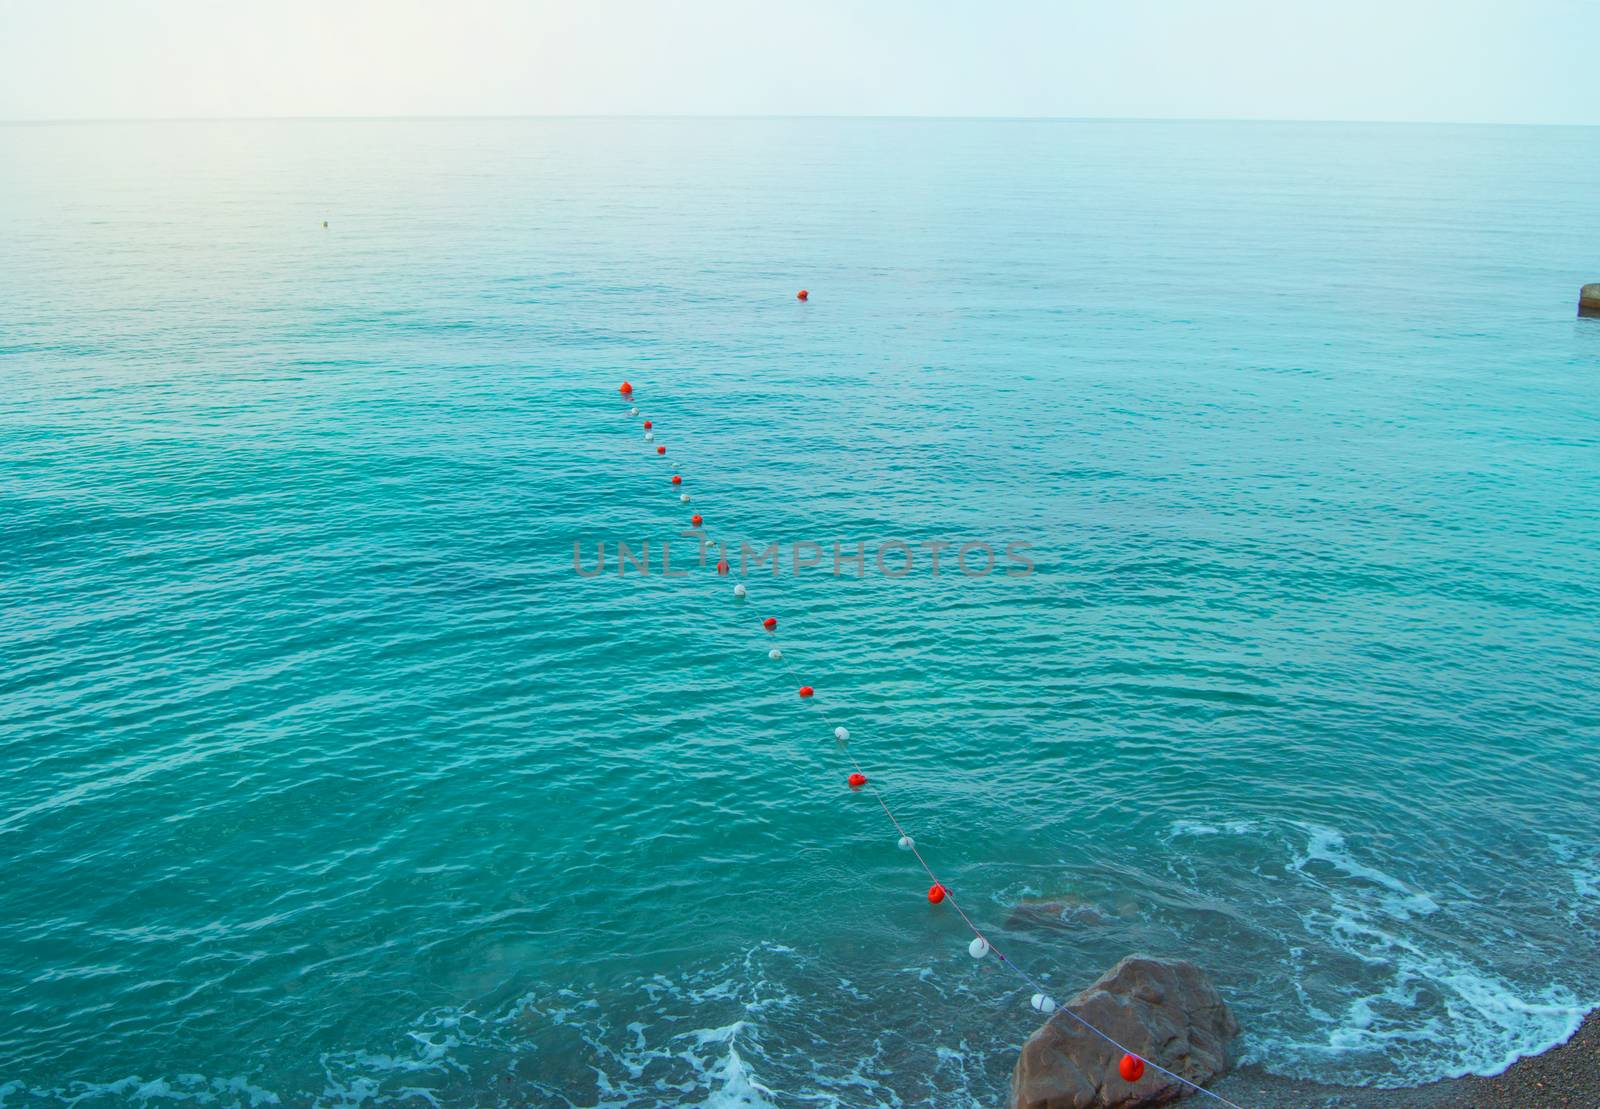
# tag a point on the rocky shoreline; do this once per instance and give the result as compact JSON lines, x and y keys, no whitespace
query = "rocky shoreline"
{"x":1167,"y":1009}
{"x":1568,"y":1075}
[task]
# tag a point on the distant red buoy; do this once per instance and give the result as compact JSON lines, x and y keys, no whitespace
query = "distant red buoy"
{"x":676,"y":480}
{"x":770,"y":623}
{"x":857,"y":780}
{"x":695,"y":519}
{"x":661,"y":450}
{"x":722,"y":567}
{"x":1132,"y":1068}
{"x":648,"y":425}
{"x":806,"y":691}
{"x":935,"y":894}
{"x":802,"y":295}
{"x":625,"y":388}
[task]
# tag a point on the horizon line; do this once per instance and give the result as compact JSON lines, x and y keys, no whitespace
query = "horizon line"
{"x":425,"y":118}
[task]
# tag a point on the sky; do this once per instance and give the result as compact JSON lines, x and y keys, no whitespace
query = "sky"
{"x":1527,"y":61}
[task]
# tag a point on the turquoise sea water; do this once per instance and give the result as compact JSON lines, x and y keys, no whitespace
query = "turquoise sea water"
{"x":324,"y":778}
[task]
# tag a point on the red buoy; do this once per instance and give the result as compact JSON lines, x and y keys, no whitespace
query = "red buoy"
{"x":935,"y":894}
{"x":770,"y":623}
{"x":648,"y":425}
{"x":695,"y":519}
{"x":676,"y":480}
{"x":806,"y":691}
{"x":661,"y":450}
{"x":625,"y":388}
{"x":722,"y":567}
{"x":802,"y":295}
{"x":1132,"y":1068}
{"x":857,"y":780}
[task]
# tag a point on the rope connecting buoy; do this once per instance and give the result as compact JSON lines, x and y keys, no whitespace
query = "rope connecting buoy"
{"x":1131,"y":1067}
{"x":695,"y":519}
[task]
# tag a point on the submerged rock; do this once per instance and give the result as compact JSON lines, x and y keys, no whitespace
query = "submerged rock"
{"x":1165,"y":1011}
{"x":1058,"y":912}
{"x":1589,"y":300}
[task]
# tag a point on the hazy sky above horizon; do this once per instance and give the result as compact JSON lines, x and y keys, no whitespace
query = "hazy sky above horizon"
{"x":1466,"y":60}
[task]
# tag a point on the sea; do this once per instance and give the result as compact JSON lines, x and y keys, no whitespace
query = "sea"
{"x":346,"y":758}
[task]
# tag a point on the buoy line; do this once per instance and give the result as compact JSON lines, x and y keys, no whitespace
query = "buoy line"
{"x":1132,"y":1065}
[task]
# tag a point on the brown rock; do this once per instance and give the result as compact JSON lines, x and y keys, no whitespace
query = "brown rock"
{"x":1589,"y":300}
{"x":1165,"y":1011}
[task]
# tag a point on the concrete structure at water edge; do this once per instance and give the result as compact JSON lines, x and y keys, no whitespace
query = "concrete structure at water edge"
{"x":1589,"y":300}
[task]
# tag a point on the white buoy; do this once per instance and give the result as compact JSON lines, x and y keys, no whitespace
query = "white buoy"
{"x":842,"y":734}
{"x":1043,"y":1003}
{"x":774,"y":654}
{"x":649,"y":437}
{"x":684,"y":497}
{"x":978,"y":948}
{"x":907,"y":843}
{"x":738,"y":590}
{"x":633,"y":411}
